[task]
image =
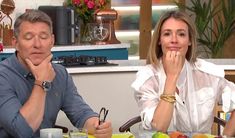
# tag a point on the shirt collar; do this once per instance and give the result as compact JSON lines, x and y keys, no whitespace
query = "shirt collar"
{"x":15,"y":63}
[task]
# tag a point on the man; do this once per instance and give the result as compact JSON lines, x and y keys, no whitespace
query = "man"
{"x":33,"y":90}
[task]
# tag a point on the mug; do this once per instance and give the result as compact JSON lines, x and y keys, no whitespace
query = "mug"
{"x":51,"y":133}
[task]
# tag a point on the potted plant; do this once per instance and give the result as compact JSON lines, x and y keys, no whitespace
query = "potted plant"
{"x":215,"y":24}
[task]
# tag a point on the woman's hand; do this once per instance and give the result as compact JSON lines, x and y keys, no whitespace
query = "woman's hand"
{"x":229,"y":129}
{"x":173,"y":63}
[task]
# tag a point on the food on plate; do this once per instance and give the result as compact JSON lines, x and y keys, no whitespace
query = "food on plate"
{"x":210,"y":136}
{"x":199,"y":136}
{"x":177,"y":134}
{"x":160,"y":135}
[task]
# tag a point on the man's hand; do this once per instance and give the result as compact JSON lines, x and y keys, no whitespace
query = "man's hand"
{"x":103,"y":130}
{"x":44,"y":71}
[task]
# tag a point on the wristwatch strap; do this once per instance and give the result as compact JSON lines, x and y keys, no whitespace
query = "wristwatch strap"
{"x":39,"y":83}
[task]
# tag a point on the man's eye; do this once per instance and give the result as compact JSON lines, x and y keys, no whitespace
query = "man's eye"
{"x":44,"y":36}
{"x":28,"y":36}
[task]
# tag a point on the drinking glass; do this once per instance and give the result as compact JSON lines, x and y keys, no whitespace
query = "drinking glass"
{"x":78,"y":133}
{"x":142,"y":132}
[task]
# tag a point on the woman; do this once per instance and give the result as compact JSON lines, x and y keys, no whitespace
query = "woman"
{"x":177,"y":91}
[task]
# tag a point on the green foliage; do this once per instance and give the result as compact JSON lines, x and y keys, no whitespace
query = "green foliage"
{"x":215,"y":24}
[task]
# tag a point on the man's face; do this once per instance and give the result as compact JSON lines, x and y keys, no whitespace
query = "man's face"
{"x":34,"y":42}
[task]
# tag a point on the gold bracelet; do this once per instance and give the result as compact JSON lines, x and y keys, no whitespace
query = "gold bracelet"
{"x":168,"y":98}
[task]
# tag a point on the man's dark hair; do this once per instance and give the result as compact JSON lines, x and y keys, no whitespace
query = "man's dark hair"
{"x":32,"y":16}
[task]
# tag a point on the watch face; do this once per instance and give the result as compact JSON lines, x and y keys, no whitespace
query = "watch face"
{"x":46,"y":85}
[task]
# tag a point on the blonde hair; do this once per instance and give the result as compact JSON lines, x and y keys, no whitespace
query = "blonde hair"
{"x":155,"y":51}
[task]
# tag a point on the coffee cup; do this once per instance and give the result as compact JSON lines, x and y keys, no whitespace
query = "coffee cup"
{"x":51,"y":133}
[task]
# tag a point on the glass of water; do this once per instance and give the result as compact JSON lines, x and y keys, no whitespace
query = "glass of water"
{"x":78,"y":133}
{"x":143,"y":133}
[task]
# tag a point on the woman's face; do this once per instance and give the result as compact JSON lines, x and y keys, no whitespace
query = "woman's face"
{"x":174,"y":36}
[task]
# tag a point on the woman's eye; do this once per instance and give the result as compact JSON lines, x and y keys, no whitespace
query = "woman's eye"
{"x":181,"y":34}
{"x":166,"y":34}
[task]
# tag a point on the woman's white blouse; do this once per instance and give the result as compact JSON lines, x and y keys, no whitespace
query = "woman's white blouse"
{"x":200,"y":86}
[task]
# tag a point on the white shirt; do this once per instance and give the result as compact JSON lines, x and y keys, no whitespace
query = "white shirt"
{"x":200,"y":87}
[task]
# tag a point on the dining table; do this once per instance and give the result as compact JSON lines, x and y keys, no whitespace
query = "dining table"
{"x":116,"y":135}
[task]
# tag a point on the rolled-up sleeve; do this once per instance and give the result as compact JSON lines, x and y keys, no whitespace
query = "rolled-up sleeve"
{"x":228,"y":96}
{"x":77,"y":110}
{"x":146,"y":95}
{"x":11,"y":121}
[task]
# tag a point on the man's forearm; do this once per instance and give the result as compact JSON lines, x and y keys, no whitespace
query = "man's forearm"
{"x":33,"y":109}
